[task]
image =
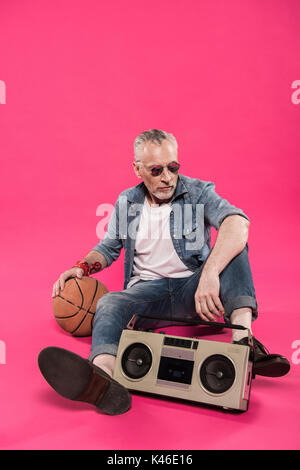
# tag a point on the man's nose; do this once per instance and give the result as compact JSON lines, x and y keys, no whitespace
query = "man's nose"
{"x":166,"y":175}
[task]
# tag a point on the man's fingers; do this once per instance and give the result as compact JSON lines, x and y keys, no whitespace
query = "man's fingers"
{"x":60,"y":283}
{"x":218,"y":303}
{"x":199,"y":311}
{"x":55,"y":290}
{"x":212,"y":307}
{"x":207,"y":307}
{"x":205,"y":310}
{"x":64,"y":277}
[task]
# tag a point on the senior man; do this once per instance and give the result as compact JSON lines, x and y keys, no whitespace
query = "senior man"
{"x":164,"y":225}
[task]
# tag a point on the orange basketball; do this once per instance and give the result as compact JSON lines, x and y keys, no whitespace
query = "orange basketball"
{"x":74,"y":308}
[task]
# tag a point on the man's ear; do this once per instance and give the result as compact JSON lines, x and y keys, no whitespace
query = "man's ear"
{"x":136,"y":169}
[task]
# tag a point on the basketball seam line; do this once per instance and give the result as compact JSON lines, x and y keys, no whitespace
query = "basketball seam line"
{"x":80,"y":308}
{"x":89,"y":306}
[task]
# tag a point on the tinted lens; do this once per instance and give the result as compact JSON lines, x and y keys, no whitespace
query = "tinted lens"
{"x":157,"y":170}
{"x":173,"y":167}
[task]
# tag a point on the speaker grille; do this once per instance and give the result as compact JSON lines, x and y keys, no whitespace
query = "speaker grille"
{"x":136,"y":360}
{"x":217,"y":373}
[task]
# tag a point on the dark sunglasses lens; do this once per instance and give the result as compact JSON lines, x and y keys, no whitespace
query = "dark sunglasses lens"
{"x":173,"y":167}
{"x":156,"y":171}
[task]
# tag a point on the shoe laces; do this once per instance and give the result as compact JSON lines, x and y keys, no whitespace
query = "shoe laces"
{"x":259,"y":345}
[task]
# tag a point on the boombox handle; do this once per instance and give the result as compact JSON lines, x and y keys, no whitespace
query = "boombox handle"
{"x":187,"y":322}
{"x":131,"y":323}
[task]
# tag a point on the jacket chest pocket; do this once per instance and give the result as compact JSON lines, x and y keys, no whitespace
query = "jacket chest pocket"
{"x":189,"y":233}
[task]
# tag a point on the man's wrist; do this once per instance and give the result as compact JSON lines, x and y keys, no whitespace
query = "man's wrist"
{"x":95,"y":267}
{"x":210,"y":268}
{"x":82,"y":264}
{"x":88,"y":269}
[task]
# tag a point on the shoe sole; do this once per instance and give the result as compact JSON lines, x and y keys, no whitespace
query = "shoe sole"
{"x":273,"y":367}
{"x":78,"y":379}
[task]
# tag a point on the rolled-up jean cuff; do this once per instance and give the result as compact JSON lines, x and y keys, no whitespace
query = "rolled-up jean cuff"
{"x":103,"y":349}
{"x":240,"y":302}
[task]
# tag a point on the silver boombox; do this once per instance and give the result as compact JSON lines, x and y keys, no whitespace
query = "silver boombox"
{"x":203,"y":371}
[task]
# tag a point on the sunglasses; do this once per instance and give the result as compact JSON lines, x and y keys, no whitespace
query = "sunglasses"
{"x":157,"y":170}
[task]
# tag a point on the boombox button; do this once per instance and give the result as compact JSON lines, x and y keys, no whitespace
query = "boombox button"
{"x":162,"y":332}
{"x":195,"y":344}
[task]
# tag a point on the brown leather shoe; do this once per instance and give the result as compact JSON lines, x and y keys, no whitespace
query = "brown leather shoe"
{"x":78,"y":379}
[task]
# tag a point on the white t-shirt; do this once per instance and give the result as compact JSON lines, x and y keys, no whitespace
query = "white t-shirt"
{"x":155,"y":256}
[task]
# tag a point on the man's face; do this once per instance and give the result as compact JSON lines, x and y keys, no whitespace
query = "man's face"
{"x":162,"y":187}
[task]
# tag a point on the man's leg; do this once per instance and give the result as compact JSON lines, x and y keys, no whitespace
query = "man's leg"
{"x":106,"y":362}
{"x":237,"y":295}
{"x":241,"y":316}
{"x":115,"y":309}
{"x":91,"y":380}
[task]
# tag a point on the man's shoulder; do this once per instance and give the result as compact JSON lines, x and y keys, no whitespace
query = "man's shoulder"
{"x":132,"y":191}
{"x":127,"y":190}
{"x":195,"y":184}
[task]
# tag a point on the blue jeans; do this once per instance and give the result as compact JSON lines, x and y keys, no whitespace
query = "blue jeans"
{"x":168,"y":297}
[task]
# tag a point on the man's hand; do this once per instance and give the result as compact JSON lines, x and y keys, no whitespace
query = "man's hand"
{"x":91,"y":258}
{"x":60,"y":283}
{"x":207,"y":301}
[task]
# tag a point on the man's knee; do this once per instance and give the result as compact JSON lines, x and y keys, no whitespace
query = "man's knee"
{"x":108,"y":298}
{"x":108,"y":302}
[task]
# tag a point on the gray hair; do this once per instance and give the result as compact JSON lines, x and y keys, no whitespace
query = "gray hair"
{"x":153,"y":135}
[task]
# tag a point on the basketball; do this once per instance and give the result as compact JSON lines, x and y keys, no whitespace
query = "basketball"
{"x":74,"y":308}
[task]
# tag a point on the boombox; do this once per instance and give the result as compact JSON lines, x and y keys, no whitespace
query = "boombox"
{"x":203,"y":371}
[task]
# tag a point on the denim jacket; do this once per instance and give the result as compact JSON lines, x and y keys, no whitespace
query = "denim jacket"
{"x":195,"y":208}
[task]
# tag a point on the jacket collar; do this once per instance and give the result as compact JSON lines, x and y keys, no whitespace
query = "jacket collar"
{"x":138,"y":193}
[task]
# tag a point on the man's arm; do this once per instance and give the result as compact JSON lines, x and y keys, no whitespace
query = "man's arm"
{"x":107,"y":250}
{"x":231,"y":240}
{"x":110,"y":246}
{"x":94,"y":256}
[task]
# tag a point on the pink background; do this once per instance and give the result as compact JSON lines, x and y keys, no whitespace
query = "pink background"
{"x":83,"y":78}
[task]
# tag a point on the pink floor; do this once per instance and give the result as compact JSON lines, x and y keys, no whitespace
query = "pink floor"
{"x":83,"y":79}
{"x":35,"y":417}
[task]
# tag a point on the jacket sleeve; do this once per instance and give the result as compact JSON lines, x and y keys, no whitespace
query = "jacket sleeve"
{"x":216,"y":209}
{"x":111,"y":245}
